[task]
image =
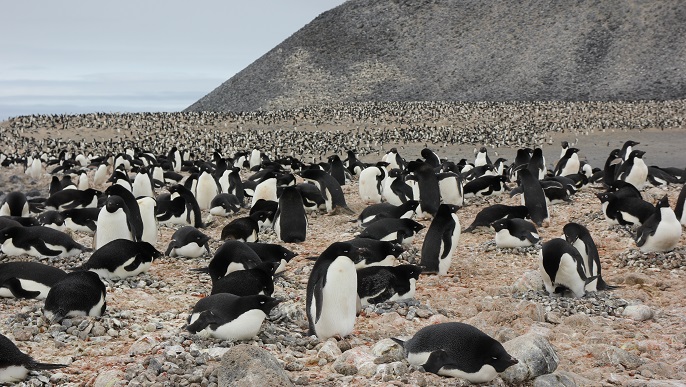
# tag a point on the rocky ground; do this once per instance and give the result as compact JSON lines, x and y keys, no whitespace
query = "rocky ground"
{"x":633,"y":335}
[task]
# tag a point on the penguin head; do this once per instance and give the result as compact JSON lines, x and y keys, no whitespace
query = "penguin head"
{"x":496,"y":356}
{"x":410,"y":271}
{"x":148,"y":249}
{"x":572,"y":232}
{"x":663,"y":203}
{"x":637,"y":154}
{"x":605,"y":196}
{"x":500,"y":224}
{"x":262,"y":302}
{"x":286,"y":254}
{"x":393,"y":249}
{"x":114,"y":203}
{"x":9,"y":232}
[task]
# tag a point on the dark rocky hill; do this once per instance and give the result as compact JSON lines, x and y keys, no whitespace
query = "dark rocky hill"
{"x":485,"y":50}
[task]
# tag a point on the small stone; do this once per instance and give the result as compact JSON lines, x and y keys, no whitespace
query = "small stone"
{"x":554,"y":380}
{"x":329,"y":350}
{"x":638,"y":312}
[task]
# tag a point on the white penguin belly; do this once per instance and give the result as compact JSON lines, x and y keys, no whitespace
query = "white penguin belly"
{"x":13,"y":374}
{"x":503,"y":238}
{"x":409,"y":294}
{"x":485,"y":374}
{"x":339,"y":300}
{"x":70,"y":225}
{"x":450,"y":192}
{"x":219,"y":211}
{"x":629,"y":218}
{"x":568,"y":276}
{"x":191,"y":250}
{"x":111,"y":226}
{"x":666,"y":237}
{"x":243,"y":327}
{"x":638,"y":174}
{"x":28,"y":285}
{"x":10,"y":249}
{"x":96,"y":310}
{"x":206,"y":191}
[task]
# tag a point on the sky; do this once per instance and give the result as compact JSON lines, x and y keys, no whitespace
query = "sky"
{"x":80,"y":56}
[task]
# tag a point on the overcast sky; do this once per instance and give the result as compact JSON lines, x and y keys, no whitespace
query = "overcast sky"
{"x":76,"y":56}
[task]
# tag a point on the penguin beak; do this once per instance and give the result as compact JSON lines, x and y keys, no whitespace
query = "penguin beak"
{"x":512,"y":361}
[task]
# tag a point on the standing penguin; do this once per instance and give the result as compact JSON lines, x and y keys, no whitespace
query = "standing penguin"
{"x":226,"y":316}
{"x":331,"y":303}
{"x":189,"y":242}
{"x":193,"y":214}
{"x":114,"y":222}
{"x":429,"y":190}
{"x":482,"y":157}
{"x":142,"y":184}
{"x":147,"y":207}
{"x":562,"y":268}
{"x":441,"y":240}
{"x":206,"y":189}
{"x":28,"y":279}
{"x":121,"y":258}
{"x":371,"y":183}
{"x":80,"y":293}
{"x":569,"y":164}
{"x":536,"y":164}
{"x":451,"y":188}
{"x":661,"y":232}
{"x":634,"y":170}
{"x":458,"y":350}
{"x":680,"y":204}
{"x":15,"y":364}
{"x":290,"y":221}
{"x":581,"y":239}
{"x":337,"y":169}
{"x":514,"y":232}
{"x":132,"y":205}
{"x":534,"y":197}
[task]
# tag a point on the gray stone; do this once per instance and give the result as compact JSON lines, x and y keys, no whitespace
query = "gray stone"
{"x":610,"y":355}
{"x":536,"y":357}
{"x":109,"y":378}
{"x":144,"y":344}
{"x":388,"y":350}
{"x":554,"y":380}
{"x":249,"y":366}
{"x":530,"y":280}
{"x":358,"y":359}
{"x":329,"y":350}
{"x":638,"y":312}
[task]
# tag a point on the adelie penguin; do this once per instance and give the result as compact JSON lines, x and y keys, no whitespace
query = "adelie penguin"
{"x":401,"y":231}
{"x":28,"y":279}
{"x":378,"y":284}
{"x":490,"y":214}
{"x":370,"y":182}
{"x":510,"y":233}
{"x":188,"y":242}
{"x":386,"y":210}
{"x":569,"y":164}
{"x":114,"y":222}
{"x":81,"y":219}
{"x":15,"y":204}
{"x":441,"y":240}
{"x":330,"y":188}
{"x":247,"y":228}
{"x":225,"y":204}
{"x":625,"y":210}
{"x":372,"y":252}
{"x":290,"y":222}
{"x":534,"y":197}
{"x":231,"y":256}
{"x":661,"y":232}
{"x":258,"y":280}
{"x":226,"y":316}
{"x":457,"y":350}
{"x":331,"y":303}
{"x":15,"y":365}
{"x":39,"y":241}
{"x":581,"y":239}
{"x":562,"y":268}
{"x":121,"y":258}
{"x":429,"y":190}
{"x":80,"y":293}
{"x":634,"y":170}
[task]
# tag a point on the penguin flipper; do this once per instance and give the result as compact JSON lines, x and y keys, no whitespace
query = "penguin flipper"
{"x":172,"y":246}
{"x":205,"y":319}
{"x":14,"y":286}
{"x":35,"y":366}
{"x":45,"y":250}
{"x":385,"y":295}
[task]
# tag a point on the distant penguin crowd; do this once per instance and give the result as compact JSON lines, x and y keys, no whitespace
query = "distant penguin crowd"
{"x":119,"y":199}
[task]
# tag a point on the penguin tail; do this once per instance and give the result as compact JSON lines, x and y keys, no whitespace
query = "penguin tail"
{"x":469,"y":229}
{"x":311,"y":258}
{"x":35,"y":366}
{"x":401,"y":342}
{"x":201,"y":270}
{"x":602,"y":285}
{"x":169,"y":250}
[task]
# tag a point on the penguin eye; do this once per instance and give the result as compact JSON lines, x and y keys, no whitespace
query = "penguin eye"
{"x":261,"y":302}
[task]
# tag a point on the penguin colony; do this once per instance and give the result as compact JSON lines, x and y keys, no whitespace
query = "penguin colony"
{"x":339,"y":282}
